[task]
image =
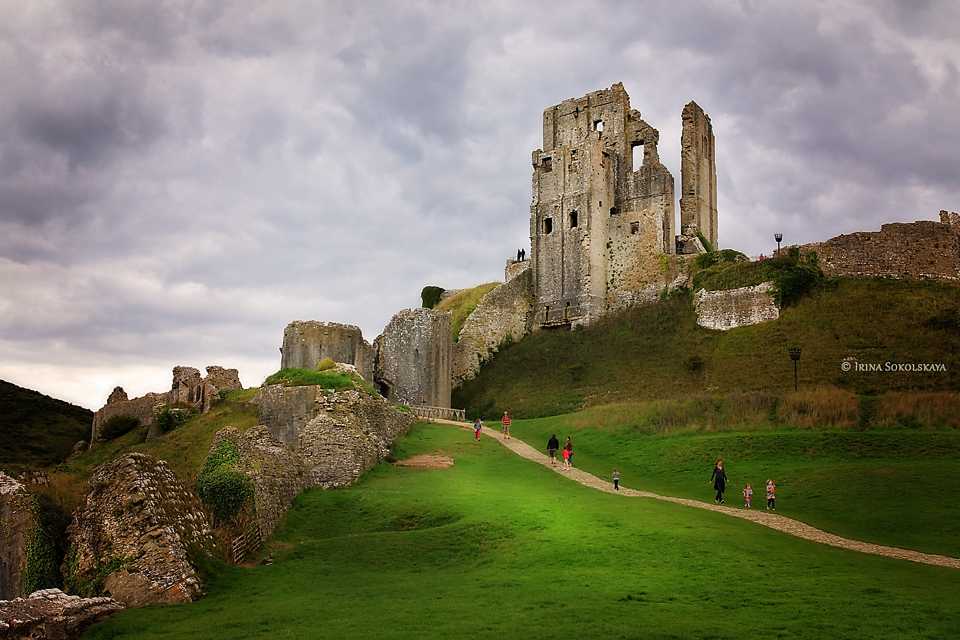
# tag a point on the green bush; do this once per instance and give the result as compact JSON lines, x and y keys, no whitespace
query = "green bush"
{"x":430,"y":296}
{"x":793,"y":275}
{"x":305,"y":377}
{"x":169,"y":418}
{"x":326,"y":364}
{"x":116,"y":426}
{"x":221,"y":486}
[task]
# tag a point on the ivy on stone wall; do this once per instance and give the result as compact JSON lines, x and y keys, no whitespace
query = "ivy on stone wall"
{"x":221,"y":486}
{"x":42,"y":570}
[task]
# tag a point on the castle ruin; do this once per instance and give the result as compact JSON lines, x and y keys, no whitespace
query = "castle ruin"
{"x":602,"y":217}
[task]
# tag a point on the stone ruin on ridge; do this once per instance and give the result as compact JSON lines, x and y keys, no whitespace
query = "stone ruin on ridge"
{"x":602,"y":229}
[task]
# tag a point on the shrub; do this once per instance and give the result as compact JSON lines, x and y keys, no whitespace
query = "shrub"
{"x":430,"y":296}
{"x":221,"y":486}
{"x":169,"y":418}
{"x":305,"y":377}
{"x":819,"y":408}
{"x":116,"y":426}
{"x":946,"y":320}
{"x":326,"y":364}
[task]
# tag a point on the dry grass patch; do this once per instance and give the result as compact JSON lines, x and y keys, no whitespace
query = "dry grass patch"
{"x":426,"y":461}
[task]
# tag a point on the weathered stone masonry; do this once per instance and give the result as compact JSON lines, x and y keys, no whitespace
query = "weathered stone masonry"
{"x":698,"y":175}
{"x":17,"y":525}
{"x":305,"y":343}
{"x":414,"y":358}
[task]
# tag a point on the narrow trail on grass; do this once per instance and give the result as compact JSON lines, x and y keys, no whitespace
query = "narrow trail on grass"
{"x":765,"y":518}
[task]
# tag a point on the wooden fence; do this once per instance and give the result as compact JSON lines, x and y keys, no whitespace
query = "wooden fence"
{"x":246,"y":543}
{"x":442,"y":413}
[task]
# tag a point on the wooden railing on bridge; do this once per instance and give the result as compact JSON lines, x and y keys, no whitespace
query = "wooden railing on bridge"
{"x":442,"y":413}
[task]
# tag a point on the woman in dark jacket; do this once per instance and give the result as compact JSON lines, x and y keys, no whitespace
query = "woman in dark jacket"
{"x":719,"y":479}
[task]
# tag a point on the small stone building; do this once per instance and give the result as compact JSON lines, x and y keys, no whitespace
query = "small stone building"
{"x":414,"y":358}
{"x":305,"y":343}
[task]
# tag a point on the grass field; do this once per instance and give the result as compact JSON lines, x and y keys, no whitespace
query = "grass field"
{"x":891,"y":486}
{"x":657,"y":351}
{"x":498,"y":547}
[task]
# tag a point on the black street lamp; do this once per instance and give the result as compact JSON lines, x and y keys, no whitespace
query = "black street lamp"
{"x":795,"y":356}
{"x":778,"y":237}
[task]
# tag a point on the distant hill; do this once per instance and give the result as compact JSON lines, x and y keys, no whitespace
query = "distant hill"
{"x":37,"y":430}
{"x":657,"y":352}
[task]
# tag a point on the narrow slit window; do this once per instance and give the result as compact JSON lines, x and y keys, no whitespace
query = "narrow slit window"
{"x":634,"y":228}
{"x":547,"y":164}
{"x":573,"y":219}
{"x":548,"y":225}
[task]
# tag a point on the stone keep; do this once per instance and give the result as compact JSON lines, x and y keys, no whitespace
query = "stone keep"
{"x":602,"y":216}
{"x":698,"y":175}
{"x":414,"y":358}
{"x":305,"y":343}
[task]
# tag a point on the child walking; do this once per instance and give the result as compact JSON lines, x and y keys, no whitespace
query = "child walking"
{"x":505,"y":422}
{"x":616,"y":480}
{"x":747,"y":496}
{"x":477,"y":426}
{"x":771,"y":496}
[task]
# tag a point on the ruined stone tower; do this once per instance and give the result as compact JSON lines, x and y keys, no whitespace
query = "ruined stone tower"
{"x":602,"y":211}
{"x":698,"y":175}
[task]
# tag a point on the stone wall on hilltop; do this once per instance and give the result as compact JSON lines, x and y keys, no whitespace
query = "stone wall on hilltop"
{"x":732,"y":308}
{"x":130,"y":537}
{"x":913,"y":250}
{"x":305,"y":343}
{"x":502,"y":314}
{"x":18,"y":524}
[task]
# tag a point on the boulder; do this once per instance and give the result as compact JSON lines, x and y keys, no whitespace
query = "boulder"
{"x":51,"y":614}
{"x":130,"y":537}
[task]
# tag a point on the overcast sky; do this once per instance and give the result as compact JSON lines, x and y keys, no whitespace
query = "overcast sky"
{"x":180,"y":179}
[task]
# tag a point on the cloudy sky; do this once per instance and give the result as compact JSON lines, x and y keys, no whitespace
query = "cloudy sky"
{"x":179,"y":179}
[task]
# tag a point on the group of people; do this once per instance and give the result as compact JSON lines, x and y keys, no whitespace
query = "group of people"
{"x":719,"y":480}
{"x":521,"y":255}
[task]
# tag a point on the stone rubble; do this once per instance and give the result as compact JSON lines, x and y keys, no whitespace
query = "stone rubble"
{"x":50,"y":614}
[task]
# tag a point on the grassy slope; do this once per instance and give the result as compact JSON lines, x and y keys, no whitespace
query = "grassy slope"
{"x":885,"y":486}
{"x":461,"y":304}
{"x":496,"y":547}
{"x":647,"y":352}
{"x":37,"y":430}
{"x":184,"y":448}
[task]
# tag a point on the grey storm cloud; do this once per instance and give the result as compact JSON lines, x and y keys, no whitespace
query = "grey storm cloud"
{"x":178,"y":180}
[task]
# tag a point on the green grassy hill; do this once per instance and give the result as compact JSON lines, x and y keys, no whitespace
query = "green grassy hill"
{"x":462,"y":303}
{"x":498,"y":547}
{"x":658,"y":352}
{"x":37,"y":430}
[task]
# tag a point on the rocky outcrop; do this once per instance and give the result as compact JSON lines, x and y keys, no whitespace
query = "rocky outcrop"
{"x":414,"y":358}
{"x":52,"y":615}
{"x":733,"y":308}
{"x":502,"y":315}
{"x":305,"y":343}
{"x":130,"y":537}
{"x":337,"y":434}
{"x":275,"y":470}
{"x":18,"y":524}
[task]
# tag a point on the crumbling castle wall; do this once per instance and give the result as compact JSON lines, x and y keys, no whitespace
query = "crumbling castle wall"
{"x":502,"y":314}
{"x":50,"y":614}
{"x":305,"y":343}
{"x":698,"y":175}
{"x":913,"y":250}
{"x":142,"y":408}
{"x":130,"y":537}
{"x":18,"y":524}
{"x":414,"y":358}
{"x":732,"y":308}
{"x":513,"y":269}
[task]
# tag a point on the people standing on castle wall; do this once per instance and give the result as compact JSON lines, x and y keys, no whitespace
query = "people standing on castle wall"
{"x":519,"y":253}
{"x":505,"y":422}
{"x":553,"y":445}
{"x":523,"y":255}
{"x":719,"y":480}
{"x":477,"y":428}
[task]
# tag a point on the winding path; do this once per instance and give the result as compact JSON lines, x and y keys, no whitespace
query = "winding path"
{"x":765,"y":518}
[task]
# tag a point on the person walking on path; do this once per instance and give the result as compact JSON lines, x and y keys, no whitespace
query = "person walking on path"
{"x":552,"y":446}
{"x":747,"y":496}
{"x":477,"y":426}
{"x":568,"y":453}
{"x":505,"y":423}
{"x":771,"y":496}
{"x":616,"y":480}
{"x":719,"y":480}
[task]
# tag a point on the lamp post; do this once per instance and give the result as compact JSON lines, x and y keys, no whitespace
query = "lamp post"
{"x":778,"y":237}
{"x":795,"y":356}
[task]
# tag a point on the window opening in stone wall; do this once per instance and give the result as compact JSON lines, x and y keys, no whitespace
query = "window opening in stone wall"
{"x":598,"y":125}
{"x":573,"y":219}
{"x":634,"y":228}
{"x":546,"y":314}
{"x":614,"y":211}
{"x":548,"y":225}
{"x":566,"y":311}
{"x":547,"y":164}
{"x":637,"y":155}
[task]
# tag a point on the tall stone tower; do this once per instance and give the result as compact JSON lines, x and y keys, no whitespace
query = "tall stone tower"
{"x":698,"y":175}
{"x":602,"y":212}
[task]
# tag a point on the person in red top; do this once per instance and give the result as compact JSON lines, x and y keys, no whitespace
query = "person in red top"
{"x":505,"y":422}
